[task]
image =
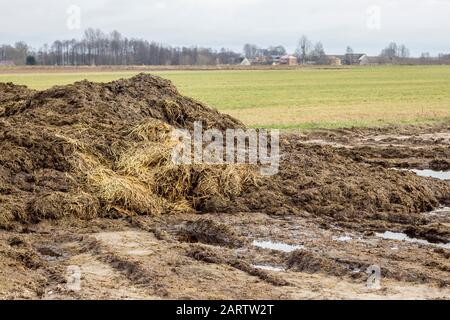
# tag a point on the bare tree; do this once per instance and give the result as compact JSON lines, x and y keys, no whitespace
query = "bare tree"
{"x":403,"y":51}
{"x":349,"y":55}
{"x":303,"y":49}
{"x":17,"y":53}
{"x":22,"y":50}
{"x":97,"y":47}
{"x":250,"y":50}
{"x":318,"y":52}
{"x":390,"y":52}
{"x":394,"y":51}
{"x":277,"y":51}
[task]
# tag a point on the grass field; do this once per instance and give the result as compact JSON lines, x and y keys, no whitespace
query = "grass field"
{"x":304,"y":98}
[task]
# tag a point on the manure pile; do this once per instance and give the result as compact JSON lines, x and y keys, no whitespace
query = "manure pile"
{"x":104,"y":150}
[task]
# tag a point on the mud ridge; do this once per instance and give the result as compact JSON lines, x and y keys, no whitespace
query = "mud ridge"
{"x":133,"y":270}
{"x":204,"y":254}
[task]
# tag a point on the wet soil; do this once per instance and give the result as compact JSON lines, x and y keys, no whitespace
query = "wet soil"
{"x":336,"y":191}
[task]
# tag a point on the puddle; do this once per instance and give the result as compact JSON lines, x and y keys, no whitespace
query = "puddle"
{"x":276,"y":246}
{"x":442,"y":175}
{"x":140,"y":252}
{"x":388,"y":235}
{"x":343,"y":238}
{"x":268,"y":268}
{"x":440,"y":210}
{"x":427,"y":173}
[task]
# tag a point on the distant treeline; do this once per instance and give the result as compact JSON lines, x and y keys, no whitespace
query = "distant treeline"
{"x":99,"y":48}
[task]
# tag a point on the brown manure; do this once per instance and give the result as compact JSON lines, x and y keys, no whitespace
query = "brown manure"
{"x":90,"y":150}
{"x":211,"y":232}
{"x":309,"y":262}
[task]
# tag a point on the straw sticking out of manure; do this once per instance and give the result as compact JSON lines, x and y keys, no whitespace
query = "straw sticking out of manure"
{"x":89,"y":150}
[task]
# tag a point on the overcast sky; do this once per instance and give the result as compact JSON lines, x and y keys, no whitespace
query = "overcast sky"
{"x":366,"y":25}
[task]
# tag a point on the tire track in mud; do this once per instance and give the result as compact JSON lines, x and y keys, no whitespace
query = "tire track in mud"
{"x":217,"y":236}
{"x":184,"y":254}
{"x":209,"y":255}
{"x":132,"y":269}
{"x":131,"y":263}
{"x":128,"y":253}
{"x":211,"y":240}
{"x":49,"y":256}
{"x":44,"y":272}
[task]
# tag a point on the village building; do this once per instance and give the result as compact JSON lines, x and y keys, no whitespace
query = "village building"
{"x":351,"y":59}
{"x":275,"y":60}
{"x":330,"y":60}
{"x":289,"y":60}
{"x":246,"y":62}
{"x":262,"y":60}
{"x":371,"y":61}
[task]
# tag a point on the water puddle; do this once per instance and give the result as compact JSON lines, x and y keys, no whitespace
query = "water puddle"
{"x":140,"y":252}
{"x":280,"y":246}
{"x":440,"y":210}
{"x":442,"y":175}
{"x":388,"y":235}
{"x":343,"y":238}
{"x":269,"y":268}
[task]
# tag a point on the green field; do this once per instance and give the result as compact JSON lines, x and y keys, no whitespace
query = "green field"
{"x":303,"y":98}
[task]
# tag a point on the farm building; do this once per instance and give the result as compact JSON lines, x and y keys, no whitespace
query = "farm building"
{"x":352,"y":58}
{"x":245,"y":62}
{"x":330,"y":60}
{"x":289,"y":60}
{"x":262,"y":60}
{"x":366,"y":60}
{"x":275,"y":60}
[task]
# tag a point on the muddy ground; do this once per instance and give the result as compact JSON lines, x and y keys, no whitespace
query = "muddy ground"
{"x":310,"y":232}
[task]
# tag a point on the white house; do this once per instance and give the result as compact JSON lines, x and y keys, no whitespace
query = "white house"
{"x":246,"y":62}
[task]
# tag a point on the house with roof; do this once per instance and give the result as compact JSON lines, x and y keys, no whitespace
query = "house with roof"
{"x":330,"y":60}
{"x":289,"y":60}
{"x":246,"y":62}
{"x":351,"y":59}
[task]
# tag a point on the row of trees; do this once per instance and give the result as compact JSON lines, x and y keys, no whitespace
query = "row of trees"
{"x":307,"y":52}
{"x":17,"y":53}
{"x":394,"y":50}
{"x":98,"y":48}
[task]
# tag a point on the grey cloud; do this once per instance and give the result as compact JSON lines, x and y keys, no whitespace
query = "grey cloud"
{"x":420,"y":24}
